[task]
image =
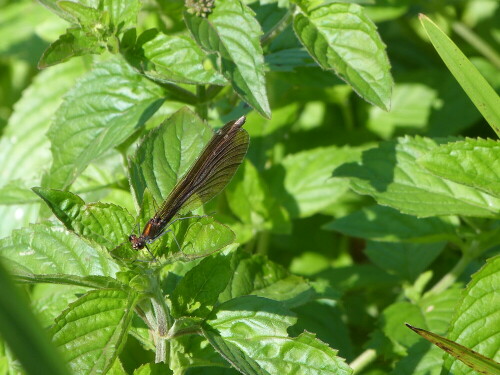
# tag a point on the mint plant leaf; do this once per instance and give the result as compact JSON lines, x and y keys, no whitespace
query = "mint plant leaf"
{"x":199,"y":237}
{"x":407,"y":260}
{"x":44,"y":249}
{"x":303,"y":183}
{"x":173,"y":58}
{"x":100,"y":112}
{"x":198,"y":291}
{"x":249,"y":198}
{"x":391,"y":175}
{"x":103,"y":223}
{"x":472,"y":162}
{"x":342,"y":38}
{"x":167,"y":153}
{"x":477,"y":317}
{"x":122,"y":13}
{"x":387,"y":224}
{"x":257,"y":275}
{"x":92,"y":331}
{"x":234,"y":355}
{"x":253,"y":322}
{"x":238,"y":48}
{"x":75,"y":42}
{"x":24,"y":148}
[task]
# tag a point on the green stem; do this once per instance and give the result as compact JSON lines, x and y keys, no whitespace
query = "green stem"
{"x":263,"y":242}
{"x":475,"y":41}
{"x":448,"y":279}
{"x":363,"y":360}
{"x":201,"y":107}
{"x":163,"y":323}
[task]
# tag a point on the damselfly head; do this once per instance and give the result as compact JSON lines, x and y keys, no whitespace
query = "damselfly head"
{"x":138,"y":243}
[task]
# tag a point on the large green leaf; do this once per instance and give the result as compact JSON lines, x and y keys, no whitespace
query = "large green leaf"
{"x":387,"y":224}
{"x":302,"y":183}
{"x":407,"y":260}
{"x":477,"y":317}
{"x":477,"y":88}
{"x":173,"y":58}
{"x":199,"y":289}
{"x":257,"y":275}
{"x":24,"y":148}
{"x":258,"y":328}
{"x":104,"y":223}
{"x":232,"y":32}
{"x":391,"y":175}
{"x":53,"y":252}
{"x":249,"y":198}
{"x":108,"y":105}
{"x":23,"y":333}
{"x":342,"y":38}
{"x":92,"y":331}
{"x":472,"y":162}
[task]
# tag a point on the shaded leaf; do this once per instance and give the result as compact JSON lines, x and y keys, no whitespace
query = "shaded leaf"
{"x":387,"y":224}
{"x":390,"y":174}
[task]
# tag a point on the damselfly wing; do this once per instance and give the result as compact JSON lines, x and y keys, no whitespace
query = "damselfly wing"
{"x":208,"y":176}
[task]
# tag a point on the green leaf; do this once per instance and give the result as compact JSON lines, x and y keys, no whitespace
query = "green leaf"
{"x":433,"y":311}
{"x":422,"y":359}
{"x":387,"y":224}
{"x":302,"y":183}
{"x":257,"y":275}
{"x":23,"y":333}
{"x":477,"y":88}
{"x":24,"y":148}
{"x":103,"y":223}
{"x":258,"y":327}
{"x":107,"y":106}
{"x":477,"y":317}
{"x":85,"y":16}
{"x":426,"y":101}
{"x":407,"y":260}
{"x":473,"y":162}
{"x":238,"y":48}
{"x":173,"y":58}
{"x":167,"y":153}
{"x":390,"y":174}
{"x":250,"y":200}
{"x":342,"y":38}
{"x":122,"y":13}
{"x":198,"y":291}
{"x":235,"y":356}
{"x":92,"y":331}
{"x":471,"y":358}
{"x":44,"y":249}
{"x":200,"y":236}
{"x":75,"y":42}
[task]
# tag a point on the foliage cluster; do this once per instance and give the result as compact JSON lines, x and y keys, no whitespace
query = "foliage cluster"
{"x":370,"y":196}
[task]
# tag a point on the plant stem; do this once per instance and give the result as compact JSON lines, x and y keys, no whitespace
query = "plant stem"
{"x":448,"y":279}
{"x":201,"y":107}
{"x":363,"y":360}
{"x":475,"y":41}
{"x":163,"y":323}
{"x":263,"y":242}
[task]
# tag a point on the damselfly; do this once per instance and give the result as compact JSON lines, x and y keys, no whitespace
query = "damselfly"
{"x":211,"y":172}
